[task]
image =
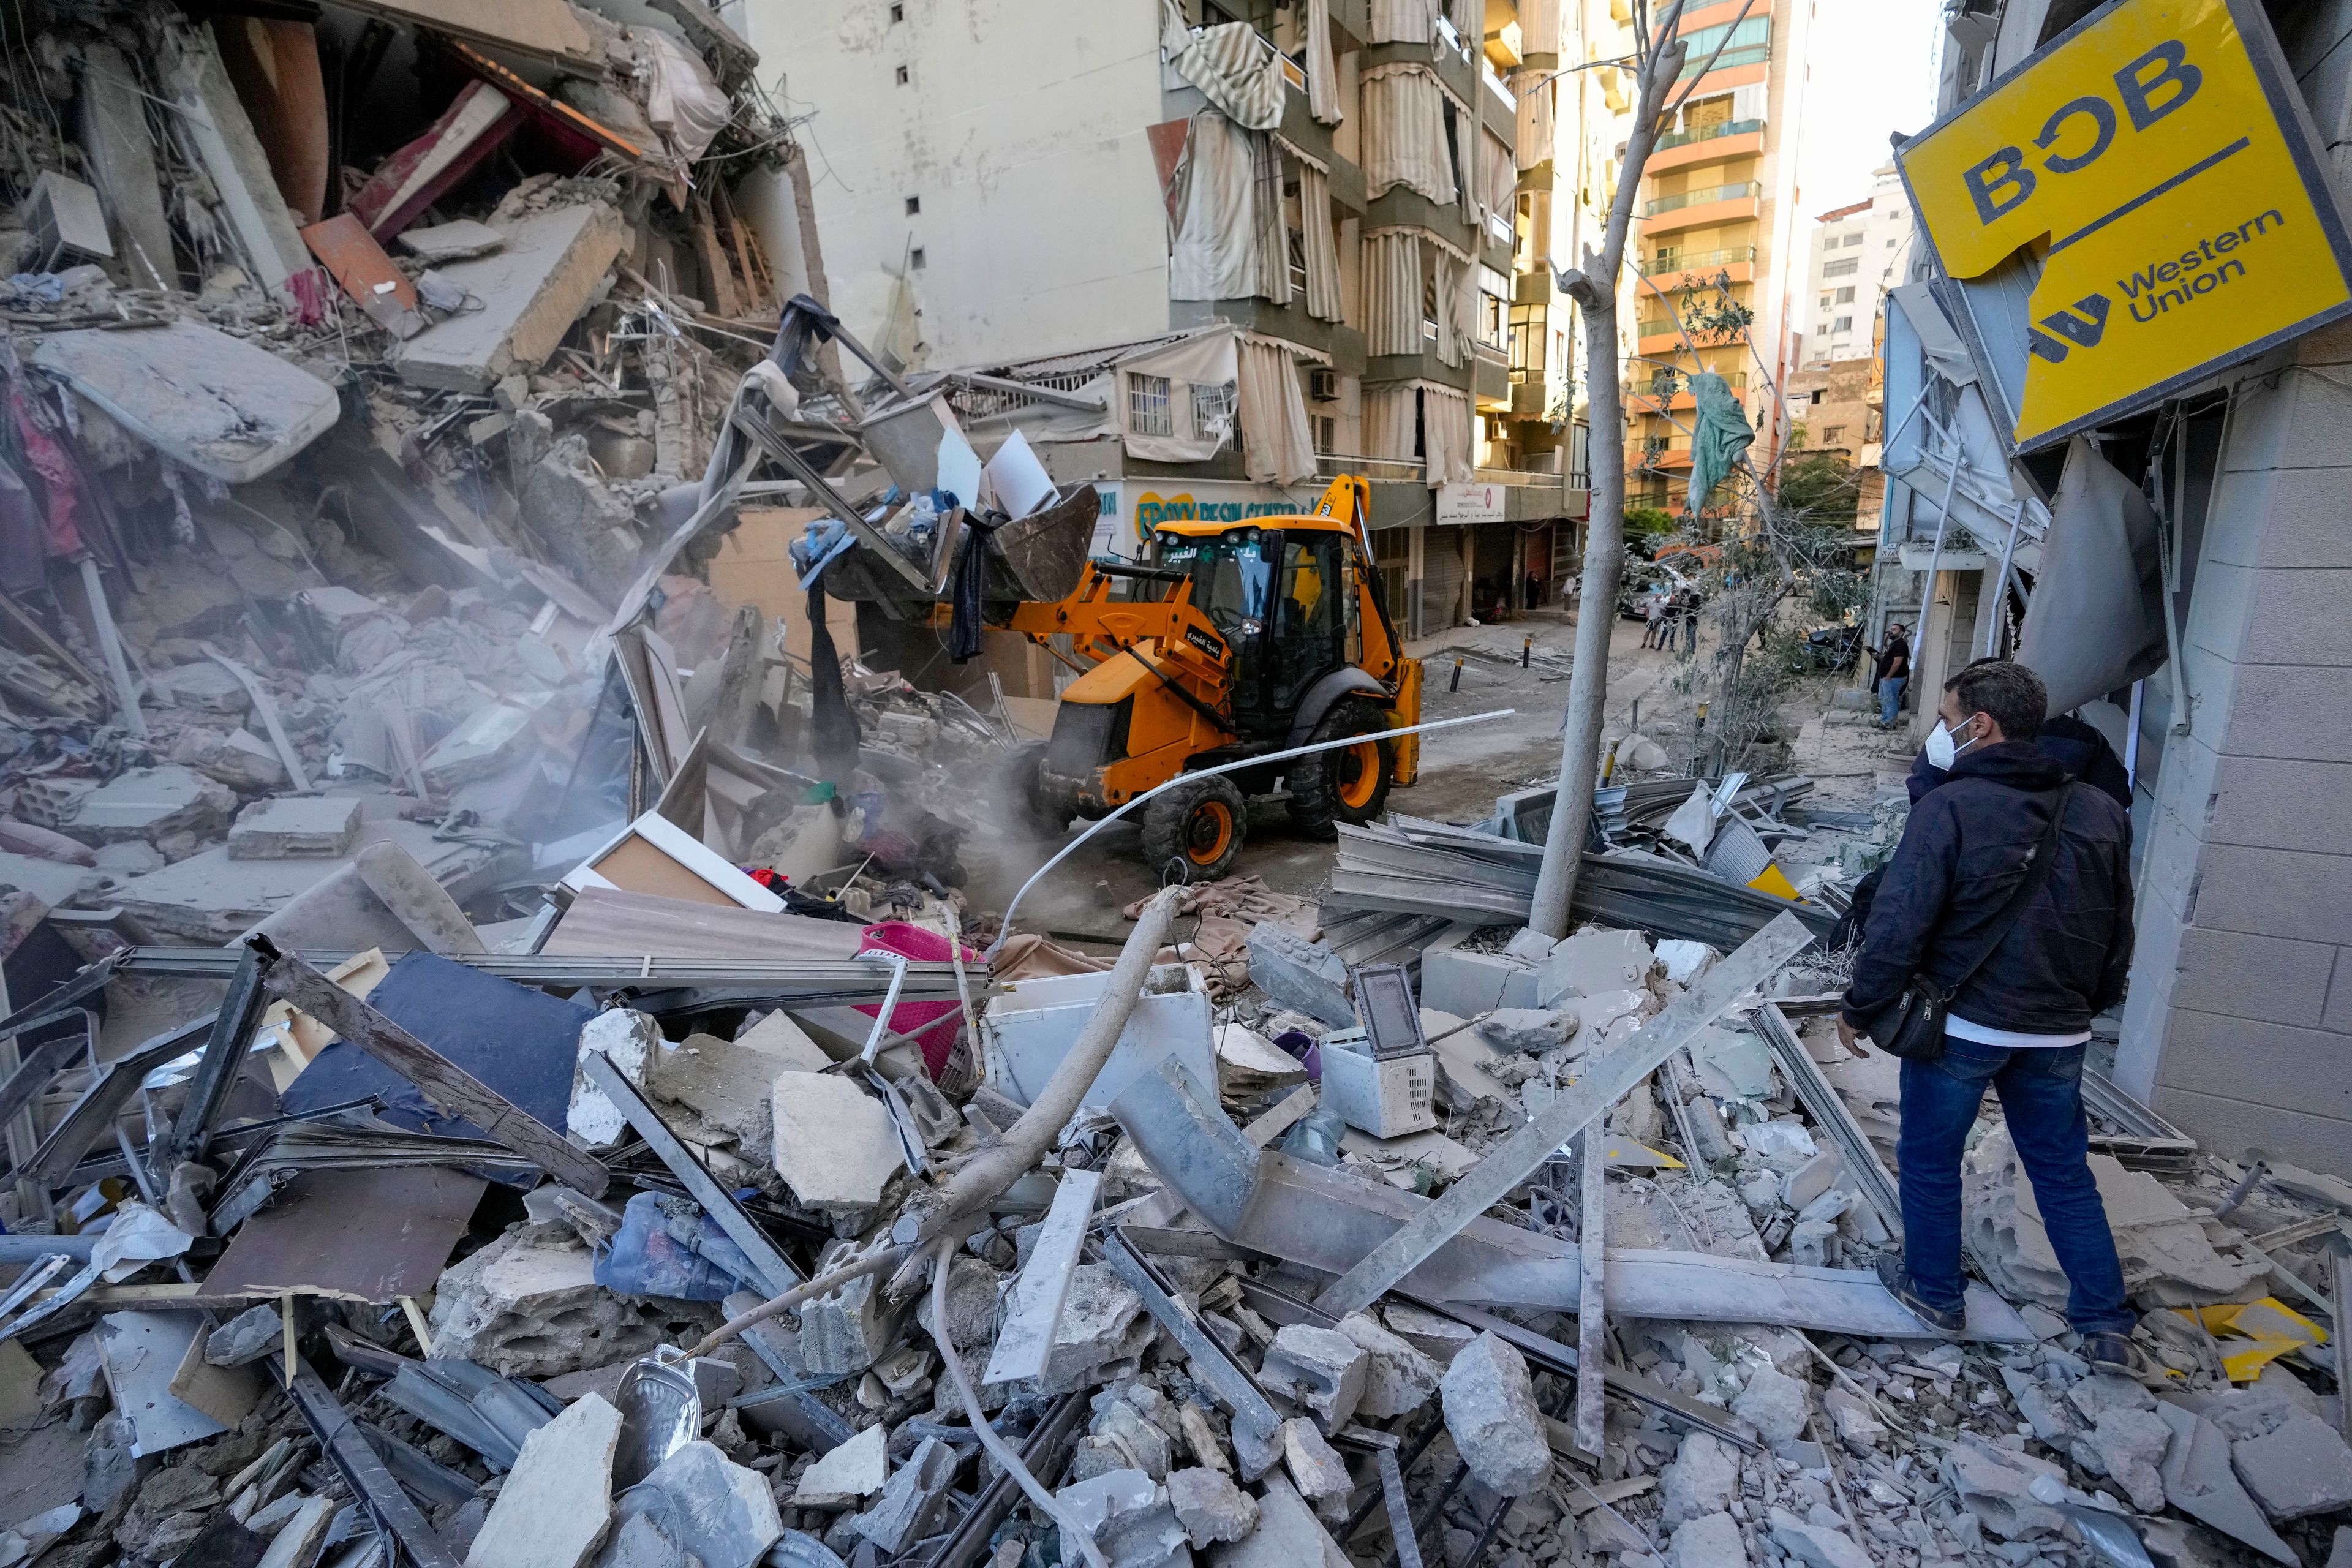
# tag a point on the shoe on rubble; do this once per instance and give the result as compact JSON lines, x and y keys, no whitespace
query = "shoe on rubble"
{"x":1896,"y":1276}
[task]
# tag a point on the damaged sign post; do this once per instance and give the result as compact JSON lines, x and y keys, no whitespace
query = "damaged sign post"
{"x":1606,"y":1082}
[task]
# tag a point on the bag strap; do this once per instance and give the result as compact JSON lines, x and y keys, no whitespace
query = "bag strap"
{"x":2037,"y":877}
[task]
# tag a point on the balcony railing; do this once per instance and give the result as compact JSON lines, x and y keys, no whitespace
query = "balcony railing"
{"x":1709,"y":133}
{"x":1747,"y":55}
{"x":1667,"y":261}
{"x":1701,"y":196}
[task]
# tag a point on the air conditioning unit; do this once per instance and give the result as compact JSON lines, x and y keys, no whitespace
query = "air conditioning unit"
{"x":1323,"y":386}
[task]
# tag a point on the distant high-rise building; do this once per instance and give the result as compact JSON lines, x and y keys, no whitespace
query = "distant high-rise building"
{"x":1718,"y":215}
{"x":1860,"y":251}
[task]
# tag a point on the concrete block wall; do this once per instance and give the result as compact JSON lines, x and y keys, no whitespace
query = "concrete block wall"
{"x":2239,"y":1026}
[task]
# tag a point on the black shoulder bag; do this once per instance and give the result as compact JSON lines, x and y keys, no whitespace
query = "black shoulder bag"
{"x":1912,"y":1026}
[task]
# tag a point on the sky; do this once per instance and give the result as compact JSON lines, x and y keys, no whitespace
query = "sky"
{"x":1874,"y":72}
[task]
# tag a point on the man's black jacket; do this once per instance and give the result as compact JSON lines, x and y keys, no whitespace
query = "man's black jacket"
{"x":1964,"y":851}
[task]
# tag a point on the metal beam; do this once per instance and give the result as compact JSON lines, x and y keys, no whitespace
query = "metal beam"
{"x":1226,"y":1378}
{"x":1605,"y":1081}
{"x":1827,"y":1109}
{"x":217,"y":1072}
{"x":775,"y":1273}
{"x":1592,"y":1320}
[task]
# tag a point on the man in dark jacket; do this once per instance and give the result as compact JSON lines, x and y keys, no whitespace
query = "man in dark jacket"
{"x":1890,"y":668}
{"x":2020,"y":1022}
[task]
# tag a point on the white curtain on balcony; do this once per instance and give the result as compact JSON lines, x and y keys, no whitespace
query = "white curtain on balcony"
{"x":1404,"y":134}
{"x":1322,"y":70}
{"x":1322,"y":241}
{"x":1498,"y":178}
{"x":1389,"y":416}
{"x":1534,"y":94}
{"x":1236,"y":69}
{"x":1230,"y":243}
{"x":1446,"y":435}
{"x":1276,"y":448}
{"x":1404,"y":21}
{"x":1447,"y":274}
{"x":1465,"y":164}
{"x":1393,"y":292}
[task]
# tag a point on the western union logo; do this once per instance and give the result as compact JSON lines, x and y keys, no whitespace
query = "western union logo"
{"x":2156,"y":162}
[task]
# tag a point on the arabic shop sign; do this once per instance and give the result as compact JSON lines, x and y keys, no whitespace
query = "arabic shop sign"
{"x":2157,"y":160}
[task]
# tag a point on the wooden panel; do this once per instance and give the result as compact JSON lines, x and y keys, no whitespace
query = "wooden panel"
{"x":601,"y":923}
{"x":640,"y":868}
{"x":355,"y":1235}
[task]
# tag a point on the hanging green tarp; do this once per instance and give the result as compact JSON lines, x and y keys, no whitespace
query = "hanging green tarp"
{"x":1720,"y":434}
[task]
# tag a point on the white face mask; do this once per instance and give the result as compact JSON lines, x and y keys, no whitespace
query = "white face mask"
{"x":1941,"y":752}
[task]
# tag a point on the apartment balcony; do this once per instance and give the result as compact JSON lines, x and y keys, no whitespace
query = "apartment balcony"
{"x":1641,"y":402}
{"x":1716,"y":143}
{"x":1705,"y":207}
{"x":1671,"y":269}
{"x":1647,"y":457}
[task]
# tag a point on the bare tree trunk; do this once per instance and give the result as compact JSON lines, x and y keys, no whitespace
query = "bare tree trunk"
{"x":1594,"y":290}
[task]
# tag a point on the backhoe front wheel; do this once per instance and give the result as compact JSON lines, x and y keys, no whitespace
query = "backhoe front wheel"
{"x":1346,"y":783}
{"x":1193,"y":833}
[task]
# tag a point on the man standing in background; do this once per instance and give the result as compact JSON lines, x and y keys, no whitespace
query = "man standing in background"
{"x":1892,"y":670}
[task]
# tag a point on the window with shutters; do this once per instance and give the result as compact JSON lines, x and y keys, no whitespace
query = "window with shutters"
{"x":1843,"y":266}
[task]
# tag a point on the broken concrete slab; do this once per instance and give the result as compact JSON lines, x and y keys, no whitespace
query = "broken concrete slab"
{"x":727,"y":1086}
{"x":1398,"y":1377}
{"x":210,"y":898}
{"x":1468,"y":984}
{"x":2297,"y":1467}
{"x":1710,"y":1541}
{"x":215,"y":121}
{"x":715,"y":1509}
{"x":111,"y":124}
{"x":1301,"y":974}
{"x":1313,"y":1463}
{"x":1491,"y":1414}
{"x":300,"y":1540}
{"x":216,"y":404}
{"x":248,"y":1337}
{"x":912,"y":1502}
{"x":2128,"y":1445}
{"x":1703,"y":1478}
{"x":556,"y":1502}
{"x":1103,"y":1324}
{"x":1210,"y":1507}
{"x":285,"y":827}
{"x":459,"y":239}
{"x":1288,"y":1535}
{"x":851,"y":1473}
{"x":145,"y":803}
{"x":1815,"y":1545}
{"x":57,"y":885}
{"x":1592,"y":962}
{"x":239,"y":758}
{"x":835,"y":1144}
{"x":778,"y":1037}
{"x":530,"y":291}
{"x":1131,"y":1518}
{"x":629,"y":1040}
{"x":531,"y":1308}
{"x":1533,"y":1030}
{"x":1322,"y":1369}
{"x":203,"y":687}
{"x":1997,"y":1486}
{"x":1776,"y":1405}
{"x":2200,"y":1482}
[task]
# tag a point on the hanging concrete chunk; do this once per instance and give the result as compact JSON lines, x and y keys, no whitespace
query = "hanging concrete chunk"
{"x":1490,"y":1411}
{"x":208,"y":401}
{"x":530,"y":291}
{"x":554,"y":1507}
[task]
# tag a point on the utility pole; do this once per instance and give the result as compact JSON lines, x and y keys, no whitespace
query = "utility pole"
{"x":1594,"y":289}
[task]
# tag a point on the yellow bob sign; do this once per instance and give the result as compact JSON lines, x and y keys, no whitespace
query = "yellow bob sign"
{"x":2157,"y":160}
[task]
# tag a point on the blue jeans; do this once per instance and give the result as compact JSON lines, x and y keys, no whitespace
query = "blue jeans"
{"x":1890,"y":698}
{"x":2041,"y":1093}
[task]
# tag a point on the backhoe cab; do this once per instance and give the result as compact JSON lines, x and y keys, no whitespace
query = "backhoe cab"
{"x":1233,"y":640}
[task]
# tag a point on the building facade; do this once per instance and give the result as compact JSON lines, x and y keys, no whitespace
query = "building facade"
{"x":1324,"y":199}
{"x":2227,"y":690}
{"x":1718,"y":216}
{"x":1860,"y":252}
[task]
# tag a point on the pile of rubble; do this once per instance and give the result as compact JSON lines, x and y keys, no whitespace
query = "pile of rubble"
{"x":798,"y":1242}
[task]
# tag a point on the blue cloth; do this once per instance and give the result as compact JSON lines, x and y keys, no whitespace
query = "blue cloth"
{"x":1890,"y":698}
{"x":667,"y":1246}
{"x":2041,"y":1091}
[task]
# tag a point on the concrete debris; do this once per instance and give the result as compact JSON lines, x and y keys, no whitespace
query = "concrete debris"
{"x":1210,"y":1507}
{"x":850,"y":1474}
{"x":1710,"y":1541}
{"x":1301,"y":974}
{"x":1321,"y":1368}
{"x":1778,"y":1405}
{"x":1702,"y":1479}
{"x":1288,"y":1535}
{"x":552,"y":1511}
{"x":717,"y":1512}
{"x":1816,"y":1545}
{"x":1491,"y":1414}
{"x":1398,"y":1378}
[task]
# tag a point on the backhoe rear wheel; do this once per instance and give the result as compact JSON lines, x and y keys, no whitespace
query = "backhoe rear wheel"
{"x":1349,"y":784}
{"x":1193,"y":833}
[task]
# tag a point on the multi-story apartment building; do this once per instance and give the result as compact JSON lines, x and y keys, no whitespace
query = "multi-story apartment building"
{"x":1215,"y":253}
{"x":1720,"y":204}
{"x":1860,"y":252}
